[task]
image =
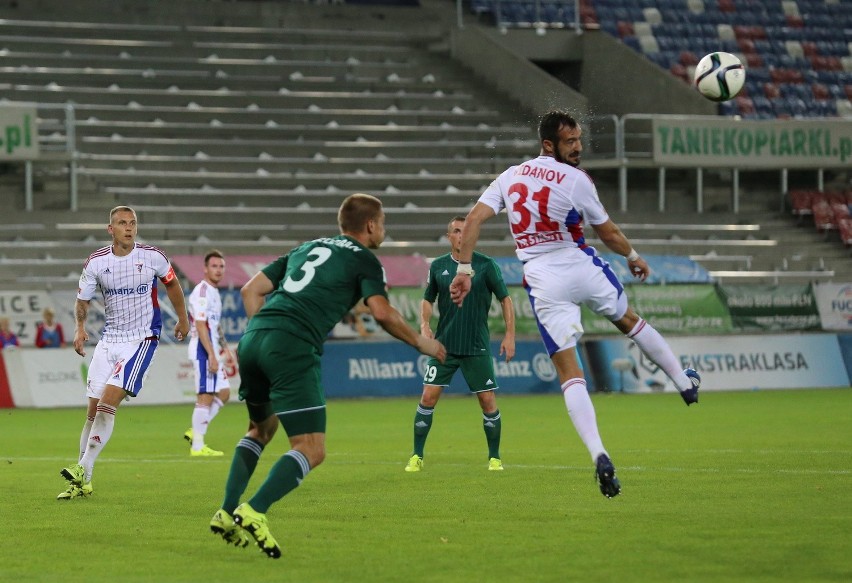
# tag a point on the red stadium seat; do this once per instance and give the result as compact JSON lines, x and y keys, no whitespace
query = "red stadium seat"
{"x":800,"y":201}
{"x":771,"y":91}
{"x":823,"y":216}
{"x":810,"y":48}
{"x":754,"y":61}
{"x":844,"y":227}
{"x":820,"y":91}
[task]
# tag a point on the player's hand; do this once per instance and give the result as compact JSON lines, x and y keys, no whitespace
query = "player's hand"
{"x":507,"y":347}
{"x":80,"y":339}
{"x":181,"y":330}
{"x":213,"y":365}
{"x":639,"y":268}
{"x":431,"y":347}
{"x":459,"y":288}
{"x":228,"y":357}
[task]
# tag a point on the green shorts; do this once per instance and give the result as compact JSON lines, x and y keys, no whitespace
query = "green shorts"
{"x":282,"y":370}
{"x":478,"y":372}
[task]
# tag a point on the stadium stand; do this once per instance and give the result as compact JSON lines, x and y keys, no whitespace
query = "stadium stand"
{"x":247,"y":137}
{"x":797,"y":52}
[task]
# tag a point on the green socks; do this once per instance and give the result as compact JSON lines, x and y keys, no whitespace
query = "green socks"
{"x":422,"y":425}
{"x":491,"y":425}
{"x":287,"y":473}
{"x":246,"y":456}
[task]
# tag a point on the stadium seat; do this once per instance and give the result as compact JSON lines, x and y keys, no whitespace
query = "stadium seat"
{"x":800,"y":202}
{"x":823,"y":214}
{"x":844,"y":227}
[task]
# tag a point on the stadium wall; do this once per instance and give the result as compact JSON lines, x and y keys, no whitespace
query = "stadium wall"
{"x":499,"y":66}
{"x":391,"y":369}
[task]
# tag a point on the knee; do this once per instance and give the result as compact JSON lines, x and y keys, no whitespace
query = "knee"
{"x":430,"y":398}
{"x":316,"y":456}
{"x":224,"y":396}
{"x":314,"y":452}
{"x":263,"y":432}
{"x":627,"y":322}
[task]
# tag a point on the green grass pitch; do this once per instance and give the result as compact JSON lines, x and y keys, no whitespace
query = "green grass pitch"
{"x":746,"y":486}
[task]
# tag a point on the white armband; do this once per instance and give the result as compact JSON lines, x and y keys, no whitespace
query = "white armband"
{"x":464,"y":269}
{"x":633,"y":255}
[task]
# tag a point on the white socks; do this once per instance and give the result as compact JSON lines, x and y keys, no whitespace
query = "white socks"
{"x":200,"y":420}
{"x":582,"y":414}
{"x":655,"y":347}
{"x":84,"y":436}
{"x":99,"y":435}
{"x":214,"y":407}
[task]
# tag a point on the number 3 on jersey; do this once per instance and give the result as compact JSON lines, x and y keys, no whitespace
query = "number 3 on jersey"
{"x":525,"y":216}
{"x":316,"y":257}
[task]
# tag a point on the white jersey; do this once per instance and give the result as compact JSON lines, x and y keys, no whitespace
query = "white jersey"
{"x":546,"y":202}
{"x":205,"y":305}
{"x":129,"y":288}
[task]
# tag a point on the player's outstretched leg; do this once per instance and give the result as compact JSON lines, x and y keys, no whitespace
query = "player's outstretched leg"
{"x":690,"y":396}
{"x":605,"y":474}
{"x":223,"y":524}
{"x":255,"y":523}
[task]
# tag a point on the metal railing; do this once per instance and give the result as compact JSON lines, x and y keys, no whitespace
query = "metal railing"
{"x":610,"y":142}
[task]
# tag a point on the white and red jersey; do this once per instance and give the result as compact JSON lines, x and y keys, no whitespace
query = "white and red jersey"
{"x":205,"y":305}
{"x":129,"y":288}
{"x":546,"y":202}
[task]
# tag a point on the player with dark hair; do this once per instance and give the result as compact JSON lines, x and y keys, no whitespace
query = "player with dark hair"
{"x":546,"y":200}
{"x":126,"y":273}
{"x":306,"y":293}
{"x":206,"y":345}
{"x":467,"y":339}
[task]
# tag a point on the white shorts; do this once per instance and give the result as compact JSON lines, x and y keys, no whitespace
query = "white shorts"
{"x":207,"y":383}
{"x":559,"y":281}
{"x":121,"y":364}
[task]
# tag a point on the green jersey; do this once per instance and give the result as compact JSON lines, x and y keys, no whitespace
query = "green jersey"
{"x":316,"y":284}
{"x":464,"y":331}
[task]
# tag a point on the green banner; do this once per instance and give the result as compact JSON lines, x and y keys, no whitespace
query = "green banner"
{"x":692,"y":309}
{"x":771,"y":308}
{"x":673,"y":309}
{"x":732,"y":143}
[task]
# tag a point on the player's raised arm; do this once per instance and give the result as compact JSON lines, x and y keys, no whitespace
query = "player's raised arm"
{"x":470,"y":235}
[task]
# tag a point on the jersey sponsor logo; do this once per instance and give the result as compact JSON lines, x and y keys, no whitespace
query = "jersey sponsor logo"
{"x":372,"y":369}
{"x":141,"y":289}
{"x":528,"y":240}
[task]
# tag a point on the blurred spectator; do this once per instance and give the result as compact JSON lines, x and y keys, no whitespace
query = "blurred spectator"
{"x":7,"y":337}
{"x":49,"y":331}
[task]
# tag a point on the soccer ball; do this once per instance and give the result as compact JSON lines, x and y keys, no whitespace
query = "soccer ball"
{"x":719,"y":76}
